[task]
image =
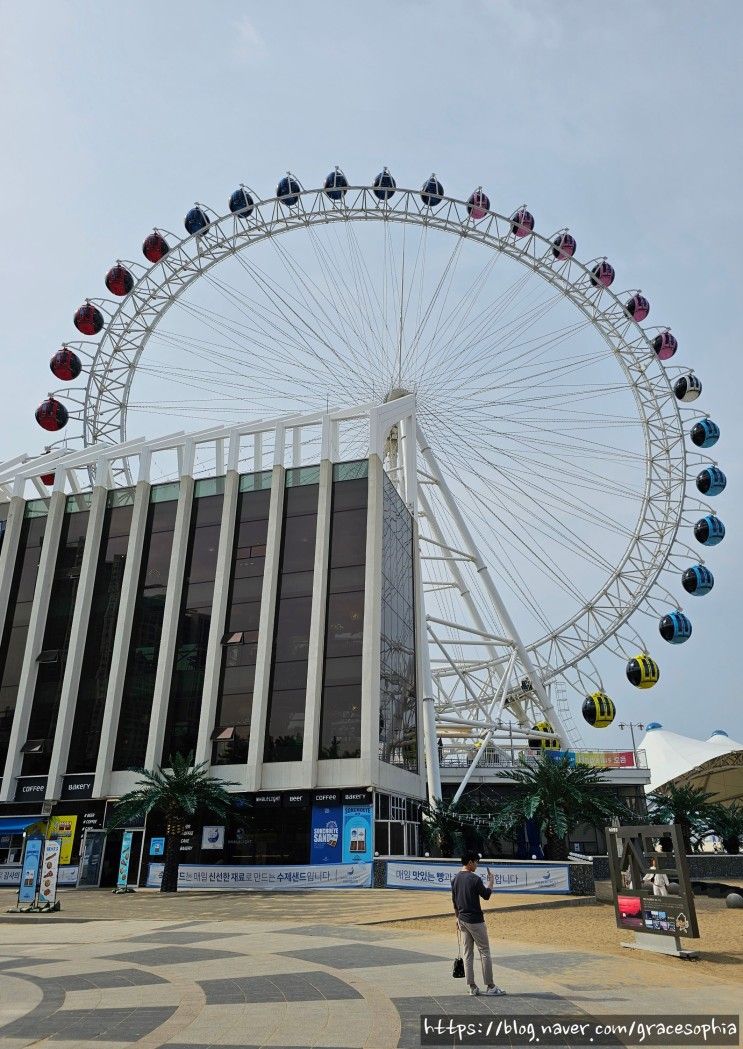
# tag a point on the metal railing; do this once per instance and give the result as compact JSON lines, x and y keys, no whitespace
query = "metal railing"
{"x":460,"y":757}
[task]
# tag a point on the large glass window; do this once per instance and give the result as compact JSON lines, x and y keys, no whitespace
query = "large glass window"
{"x":398,"y":719}
{"x":340,"y":719}
{"x":101,"y":632}
{"x":15,"y":630}
{"x":187,"y":684}
{"x":52,"y":659}
{"x":231,"y":734}
{"x":144,"y":645}
{"x":288,"y":685}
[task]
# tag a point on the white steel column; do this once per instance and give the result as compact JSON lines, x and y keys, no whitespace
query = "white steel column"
{"x":316,"y":650}
{"x":124,"y":620}
{"x":34,"y":640}
{"x":427,"y":708}
{"x":253,"y":771}
{"x":372,"y":642}
{"x":171,"y":617}
{"x":9,"y":553}
{"x":490,"y":588}
{"x":215,"y":650}
{"x":76,"y":648}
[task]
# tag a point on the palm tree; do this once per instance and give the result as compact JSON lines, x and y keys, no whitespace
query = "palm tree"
{"x":560,"y":797}
{"x":688,"y":807}
{"x":727,"y":822}
{"x":176,"y":792}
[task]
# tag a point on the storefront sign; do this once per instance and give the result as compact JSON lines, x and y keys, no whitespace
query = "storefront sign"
{"x":126,"y":854}
{"x":329,"y":876}
{"x":32,"y":788}
{"x":157,"y":846}
{"x":211,"y":838}
{"x":360,"y":796}
{"x":77,"y":787}
{"x":296,"y":799}
{"x":267,"y":801}
{"x":357,"y":833}
{"x":327,"y":797}
{"x":49,"y":873}
{"x":10,"y":875}
{"x":326,"y":834}
{"x":30,"y":870}
{"x":63,"y":829}
{"x":540,"y":878}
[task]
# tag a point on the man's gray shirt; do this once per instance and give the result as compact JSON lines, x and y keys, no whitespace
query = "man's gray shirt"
{"x":466,"y":890}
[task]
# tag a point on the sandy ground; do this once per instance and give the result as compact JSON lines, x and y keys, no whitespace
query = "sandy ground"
{"x":720,"y":945}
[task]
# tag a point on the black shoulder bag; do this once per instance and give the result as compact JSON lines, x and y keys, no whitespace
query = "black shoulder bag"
{"x":458,"y":967}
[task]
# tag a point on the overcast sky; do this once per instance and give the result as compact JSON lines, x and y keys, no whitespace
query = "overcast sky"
{"x":622,"y":121}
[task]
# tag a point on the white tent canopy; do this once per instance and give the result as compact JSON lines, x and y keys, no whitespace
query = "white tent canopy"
{"x":671,"y":755}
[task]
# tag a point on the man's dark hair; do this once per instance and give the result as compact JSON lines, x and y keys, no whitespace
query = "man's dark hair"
{"x":469,"y":857}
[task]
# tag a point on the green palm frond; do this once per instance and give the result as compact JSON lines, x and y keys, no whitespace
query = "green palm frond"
{"x":176,"y":791}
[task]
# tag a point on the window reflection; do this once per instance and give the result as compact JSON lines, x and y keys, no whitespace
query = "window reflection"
{"x":398,"y":724}
{"x":231,"y":735}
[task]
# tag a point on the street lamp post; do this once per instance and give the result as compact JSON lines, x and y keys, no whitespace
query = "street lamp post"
{"x":632,"y":725}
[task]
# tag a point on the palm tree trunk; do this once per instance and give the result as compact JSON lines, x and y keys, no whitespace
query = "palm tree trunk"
{"x":555,"y":848}
{"x":169,"y":881}
{"x":731,"y":845}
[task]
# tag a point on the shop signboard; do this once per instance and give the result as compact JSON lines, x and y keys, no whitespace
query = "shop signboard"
{"x":211,"y":838}
{"x":542,"y":878}
{"x":77,"y":786}
{"x":270,"y":878}
{"x":652,"y":890}
{"x":157,"y":846}
{"x":357,"y":833}
{"x":63,"y":829}
{"x":49,"y":873}
{"x":91,"y":857}
{"x":326,"y":834}
{"x":124,"y":859}
{"x":30,"y":869}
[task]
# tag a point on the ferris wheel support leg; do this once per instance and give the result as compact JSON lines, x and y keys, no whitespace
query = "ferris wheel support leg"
{"x":490,"y":588}
{"x":503,"y":688}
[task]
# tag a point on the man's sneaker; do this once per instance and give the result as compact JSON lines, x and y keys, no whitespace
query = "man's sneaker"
{"x":475,"y":990}
{"x":493,"y":991}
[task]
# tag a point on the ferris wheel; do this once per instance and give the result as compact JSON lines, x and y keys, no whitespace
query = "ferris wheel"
{"x":563,"y":468}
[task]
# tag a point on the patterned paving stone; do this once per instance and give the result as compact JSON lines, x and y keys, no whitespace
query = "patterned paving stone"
{"x":91,"y":1025}
{"x":362,"y":957}
{"x":338,"y":932}
{"x":21,"y":963}
{"x":285,"y":987}
{"x":176,"y":936}
{"x":545,"y":964}
{"x":170,"y":956}
{"x":114,"y":978}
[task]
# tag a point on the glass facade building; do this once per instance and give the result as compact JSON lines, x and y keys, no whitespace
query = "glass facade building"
{"x":263,"y":622}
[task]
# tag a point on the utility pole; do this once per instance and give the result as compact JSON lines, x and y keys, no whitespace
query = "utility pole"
{"x":632,"y":725}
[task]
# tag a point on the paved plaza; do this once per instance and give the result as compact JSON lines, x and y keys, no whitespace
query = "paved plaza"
{"x":293,"y":969}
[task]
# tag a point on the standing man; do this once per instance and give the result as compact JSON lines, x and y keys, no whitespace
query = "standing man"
{"x":466,"y":890}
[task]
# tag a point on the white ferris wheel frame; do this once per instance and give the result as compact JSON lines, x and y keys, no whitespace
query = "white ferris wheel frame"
{"x":102,"y":407}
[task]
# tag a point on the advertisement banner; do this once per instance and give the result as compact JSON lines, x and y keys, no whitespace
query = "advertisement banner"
{"x":326,"y":834}
{"x":357,"y":833}
{"x":11,"y":875}
{"x":212,"y":838}
{"x":126,"y":854}
{"x":30,"y":870}
{"x":63,"y":828}
{"x":517,"y":877}
{"x":274,"y":879}
{"x":157,"y":846}
{"x":49,"y":872}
